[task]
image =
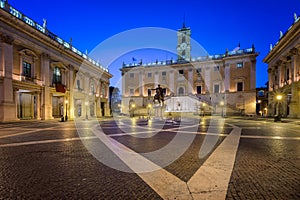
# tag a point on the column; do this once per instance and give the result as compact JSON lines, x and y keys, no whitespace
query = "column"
{"x":253,"y":75}
{"x":294,"y":104}
{"x":279,"y":74}
{"x":71,"y":92}
{"x":46,"y":97}
{"x":207,"y":80}
{"x":171,"y":81}
{"x":190,"y":82}
{"x":227,"y":77}
{"x":294,"y":64}
{"x":7,"y":102}
{"x":38,"y":105}
{"x":141,"y":83}
{"x":156,"y":78}
{"x":270,"y":78}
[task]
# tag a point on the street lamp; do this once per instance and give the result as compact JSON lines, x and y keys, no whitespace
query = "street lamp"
{"x":149,"y":107}
{"x":259,"y":107}
{"x":278,"y":117}
{"x":278,"y":97}
{"x":86,"y":108}
{"x":66,"y":102}
{"x":132,"y":107}
{"x":222,"y":105}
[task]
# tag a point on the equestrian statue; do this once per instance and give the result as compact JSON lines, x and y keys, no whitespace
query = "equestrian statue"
{"x":159,"y":96}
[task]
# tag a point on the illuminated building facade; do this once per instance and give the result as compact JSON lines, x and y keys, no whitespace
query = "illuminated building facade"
{"x":224,"y":82}
{"x":43,"y":76}
{"x":284,"y":73}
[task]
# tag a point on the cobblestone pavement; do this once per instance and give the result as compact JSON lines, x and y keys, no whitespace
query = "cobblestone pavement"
{"x":50,"y":160}
{"x":267,"y":165}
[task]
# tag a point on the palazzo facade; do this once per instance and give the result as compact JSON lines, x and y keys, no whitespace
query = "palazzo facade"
{"x":216,"y":83}
{"x":284,"y":73}
{"x":45,"y":77}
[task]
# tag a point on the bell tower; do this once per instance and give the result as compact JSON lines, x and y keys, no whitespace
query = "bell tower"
{"x":184,"y":43}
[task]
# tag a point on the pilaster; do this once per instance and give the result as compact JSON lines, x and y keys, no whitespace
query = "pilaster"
{"x":7,"y":100}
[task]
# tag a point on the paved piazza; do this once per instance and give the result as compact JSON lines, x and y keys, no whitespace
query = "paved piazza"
{"x":198,"y":158}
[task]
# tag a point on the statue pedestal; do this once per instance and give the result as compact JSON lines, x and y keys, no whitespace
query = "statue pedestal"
{"x":158,"y":111}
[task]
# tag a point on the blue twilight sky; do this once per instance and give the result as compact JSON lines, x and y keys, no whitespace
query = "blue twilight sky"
{"x":215,"y":24}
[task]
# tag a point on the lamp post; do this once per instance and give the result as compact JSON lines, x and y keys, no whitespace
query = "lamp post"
{"x":66,"y":102}
{"x":259,"y":107}
{"x":278,"y":117}
{"x":222,"y":105}
{"x":149,"y":107}
{"x":86,"y":108}
{"x":278,"y":97}
{"x":132,"y":107}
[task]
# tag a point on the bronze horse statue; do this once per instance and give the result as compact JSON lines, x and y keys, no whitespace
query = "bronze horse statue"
{"x":159,"y":96}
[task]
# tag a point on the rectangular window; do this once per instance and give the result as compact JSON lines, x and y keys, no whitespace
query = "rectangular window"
{"x":239,"y":86}
{"x":164,"y":73}
{"x":240,"y":65}
{"x":217,"y":88}
{"x":56,"y":75}
{"x":180,"y":71}
{"x":199,"y":89}
{"x":164,"y":91}
{"x":216,"y":68}
{"x":149,"y":92}
{"x":131,"y":75}
{"x":92,"y":89}
{"x":26,"y":69}
{"x":78,"y":84}
{"x":131,"y":92}
{"x":149,"y":75}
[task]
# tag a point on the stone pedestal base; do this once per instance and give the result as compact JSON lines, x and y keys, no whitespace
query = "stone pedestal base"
{"x":158,"y":111}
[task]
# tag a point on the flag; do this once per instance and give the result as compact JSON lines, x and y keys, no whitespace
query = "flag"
{"x":60,"y":87}
{"x":134,"y":59}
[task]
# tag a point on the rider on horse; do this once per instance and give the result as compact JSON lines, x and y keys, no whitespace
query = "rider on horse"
{"x":159,"y":96}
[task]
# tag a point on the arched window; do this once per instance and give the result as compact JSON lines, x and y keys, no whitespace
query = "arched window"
{"x":181,"y":91}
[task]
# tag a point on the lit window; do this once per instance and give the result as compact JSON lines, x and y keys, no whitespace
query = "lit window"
{"x":92,"y":89}
{"x":239,"y":86}
{"x":199,"y":89}
{"x":240,"y":65}
{"x":103,"y":93}
{"x":26,"y":69}
{"x":56,"y":75}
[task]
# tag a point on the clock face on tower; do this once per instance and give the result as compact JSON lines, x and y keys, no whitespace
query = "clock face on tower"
{"x":183,"y":46}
